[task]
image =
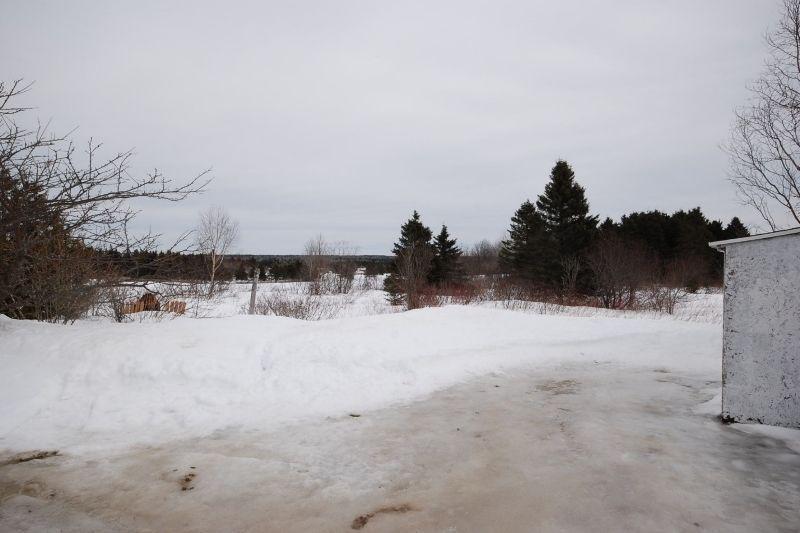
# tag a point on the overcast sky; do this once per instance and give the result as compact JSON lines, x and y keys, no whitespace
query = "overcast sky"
{"x":341,"y":117}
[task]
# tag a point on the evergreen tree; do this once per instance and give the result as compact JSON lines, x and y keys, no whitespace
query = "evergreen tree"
{"x":262,"y":272}
{"x":608,"y":225}
{"x":240,"y":273}
{"x":717,"y":229}
{"x":413,"y":253}
{"x":683,"y":235}
{"x":412,"y":233}
{"x":694,"y":232}
{"x":528,"y":253}
{"x":446,"y":263}
{"x":735,"y":229}
{"x":44,"y":270}
{"x":653,"y":228}
{"x":565,"y":211}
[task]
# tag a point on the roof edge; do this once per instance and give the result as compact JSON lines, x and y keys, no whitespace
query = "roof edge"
{"x":722,"y":244}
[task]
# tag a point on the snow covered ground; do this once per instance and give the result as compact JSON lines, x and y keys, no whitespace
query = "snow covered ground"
{"x":364,"y":299}
{"x":97,"y":384}
{"x":588,"y":402}
{"x":574,"y":446}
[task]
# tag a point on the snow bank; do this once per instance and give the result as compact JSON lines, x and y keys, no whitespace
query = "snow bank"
{"x":98,"y":384}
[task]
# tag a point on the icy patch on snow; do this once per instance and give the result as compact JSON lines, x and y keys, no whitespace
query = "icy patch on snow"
{"x":790,"y":437}
{"x":712,"y":406}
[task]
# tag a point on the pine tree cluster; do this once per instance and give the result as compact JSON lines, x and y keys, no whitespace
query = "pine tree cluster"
{"x":548,"y":243}
{"x":422,"y":259}
{"x":550,"y":240}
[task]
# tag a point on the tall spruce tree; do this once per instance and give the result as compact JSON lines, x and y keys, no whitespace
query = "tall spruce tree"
{"x":735,"y":229}
{"x":565,"y":211}
{"x":445,"y":266}
{"x":412,"y":257}
{"x":529,"y":251}
{"x":412,"y":233}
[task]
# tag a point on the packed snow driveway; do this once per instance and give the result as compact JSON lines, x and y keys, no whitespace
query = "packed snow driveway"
{"x":452,"y":419}
{"x":576,"y":447}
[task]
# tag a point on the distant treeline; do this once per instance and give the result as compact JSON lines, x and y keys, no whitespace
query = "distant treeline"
{"x":552,"y":243}
{"x":683,"y":234}
{"x":145,"y":264}
{"x":292,"y":267}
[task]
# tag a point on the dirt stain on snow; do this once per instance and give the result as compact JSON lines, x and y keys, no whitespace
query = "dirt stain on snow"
{"x":564,"y":386}
{"x":33,"y":488}
{"x":360,"y":521}
{"x":338,"y":475}
{"x":187,"y":481}
{"x":24,"y":457}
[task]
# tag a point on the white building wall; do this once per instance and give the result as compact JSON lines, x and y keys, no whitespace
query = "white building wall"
{"x":761,"y":332}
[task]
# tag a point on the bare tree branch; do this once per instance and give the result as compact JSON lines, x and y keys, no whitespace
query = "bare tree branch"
{"x":764,"y":147}
{"x":58,"y":211}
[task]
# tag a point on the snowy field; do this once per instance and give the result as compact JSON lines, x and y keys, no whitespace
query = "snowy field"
{"x":454,"y":417}
{"x":96,"y":384}
{"x":366,"y":299}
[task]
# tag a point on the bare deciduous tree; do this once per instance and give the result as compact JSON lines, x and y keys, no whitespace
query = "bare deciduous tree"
{"x":329,"y":267}
{"x":216,"y":234}
{"x":482,"y":259}
{"x":57,"y":209}
{"x":620,"y":269}
{"x":765,"y":143}
{"x":570,"y":268}
{"x":413,"y":265}
{"x":317,"y":258}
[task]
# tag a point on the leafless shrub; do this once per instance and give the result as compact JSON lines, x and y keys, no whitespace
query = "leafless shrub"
{"x":113,"y":302}
{"x":328,"y":266}
{"x":463,"y":293}
{"x":519,"y":295}
{"x":621,"y":269}
{"x":679,"y":278}
{"x":316,"y":260}
{"x":332,"y":283}
{"x":570,"y":268}
{"x":297,"y":305}
{"x":126,"y":301}
{"x":57,"y":282}
{"x":200,"y":302}
{"x":507,"y":290}
{"x":427,"y":297}
{"x":363,"y":283}
{"x":662,"y":299}
{"x":482,"y":259}
{"x":413,"y":265}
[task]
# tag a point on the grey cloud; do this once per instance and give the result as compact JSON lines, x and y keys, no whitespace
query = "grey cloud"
{"x":341,"y":117}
